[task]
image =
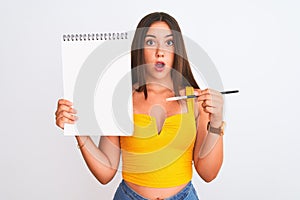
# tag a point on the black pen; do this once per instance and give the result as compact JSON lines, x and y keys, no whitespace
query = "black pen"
{"x":195,"y":96}
{"x":229,"y":92}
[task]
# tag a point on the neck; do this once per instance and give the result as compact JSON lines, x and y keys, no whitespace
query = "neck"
{"x":159,"y":84}
{"x":156,"y":88}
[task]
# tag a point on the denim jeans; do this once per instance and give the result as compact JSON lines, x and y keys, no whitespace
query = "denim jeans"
{"x":124,"y":192}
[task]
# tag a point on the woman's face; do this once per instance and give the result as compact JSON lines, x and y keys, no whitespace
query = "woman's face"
{"x":159,"y":51}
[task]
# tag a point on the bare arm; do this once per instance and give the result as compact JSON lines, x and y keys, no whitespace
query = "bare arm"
{"x":103,"y":161}
{"x":208,"y":151}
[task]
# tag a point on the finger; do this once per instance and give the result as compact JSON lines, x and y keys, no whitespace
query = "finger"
{"x":66,"y":115}
{"x":207,"y":103}
{"x":64,"y":102}
{"x":213,"y":110}
{"x":197,"y":92}
{"x":208,"y":109}
{"x":67,"y":109}
{"x":60,"y":122}
{"x":205,"y":91}
{"x":213,"y":103}
{"x":210,"y":91}
{"x":215,"y":98}
{"x":204,"y":97}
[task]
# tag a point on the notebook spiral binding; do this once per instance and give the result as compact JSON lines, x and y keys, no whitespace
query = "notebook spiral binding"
{"x":95,"y":36}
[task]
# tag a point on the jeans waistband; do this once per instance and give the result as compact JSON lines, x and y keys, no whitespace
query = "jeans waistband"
{"x":181,"y":195}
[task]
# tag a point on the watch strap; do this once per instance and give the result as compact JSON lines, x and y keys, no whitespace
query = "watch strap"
{"x":219,"y":131}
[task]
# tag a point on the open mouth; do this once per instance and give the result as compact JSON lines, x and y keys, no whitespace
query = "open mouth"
{"x":159,"y":66}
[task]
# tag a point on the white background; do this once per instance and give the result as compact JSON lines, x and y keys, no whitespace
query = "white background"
{"x":255,"y":46}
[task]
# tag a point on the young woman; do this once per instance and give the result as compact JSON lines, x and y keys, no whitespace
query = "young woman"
{"x":169,"y":136}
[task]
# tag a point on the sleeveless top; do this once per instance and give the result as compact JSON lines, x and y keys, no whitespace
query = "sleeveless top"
{"x":160,"y":160}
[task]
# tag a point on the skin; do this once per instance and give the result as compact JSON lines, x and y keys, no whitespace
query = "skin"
{"x":103,"y":161}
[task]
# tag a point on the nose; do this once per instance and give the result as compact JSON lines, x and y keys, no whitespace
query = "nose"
{"x":159,"y":52}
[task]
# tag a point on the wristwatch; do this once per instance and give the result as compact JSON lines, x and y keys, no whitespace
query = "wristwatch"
{"x":219,"y":131}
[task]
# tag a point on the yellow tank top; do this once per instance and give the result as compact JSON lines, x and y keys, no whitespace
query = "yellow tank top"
{"x":160,"y":160}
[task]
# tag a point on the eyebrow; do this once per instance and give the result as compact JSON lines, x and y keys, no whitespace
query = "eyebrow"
{"x":153,"y":36}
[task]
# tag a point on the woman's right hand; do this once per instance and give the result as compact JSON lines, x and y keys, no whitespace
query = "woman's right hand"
{"x":65,"y":113}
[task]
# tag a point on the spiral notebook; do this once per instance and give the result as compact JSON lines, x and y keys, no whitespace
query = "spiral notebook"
{"x":97,"y":79}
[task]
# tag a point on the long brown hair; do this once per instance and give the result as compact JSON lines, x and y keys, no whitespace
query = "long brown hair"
{"x":183,"y":76}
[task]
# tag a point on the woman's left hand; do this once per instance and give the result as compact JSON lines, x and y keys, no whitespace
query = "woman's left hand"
{"x":212,"y":103}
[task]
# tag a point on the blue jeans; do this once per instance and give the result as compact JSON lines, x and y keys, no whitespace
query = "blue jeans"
{"x":124,"y":192}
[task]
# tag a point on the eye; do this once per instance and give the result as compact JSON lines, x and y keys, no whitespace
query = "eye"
{"x":150,"y":42}
{"x":170,"y":43}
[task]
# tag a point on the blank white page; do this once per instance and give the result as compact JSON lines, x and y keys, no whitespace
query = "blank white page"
{"x":97,"y":79}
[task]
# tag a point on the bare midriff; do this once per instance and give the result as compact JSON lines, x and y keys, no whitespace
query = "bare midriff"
{"x":155,"y":193}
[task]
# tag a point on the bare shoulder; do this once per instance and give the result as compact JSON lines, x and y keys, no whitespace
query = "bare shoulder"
{"x":135,"y":94}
